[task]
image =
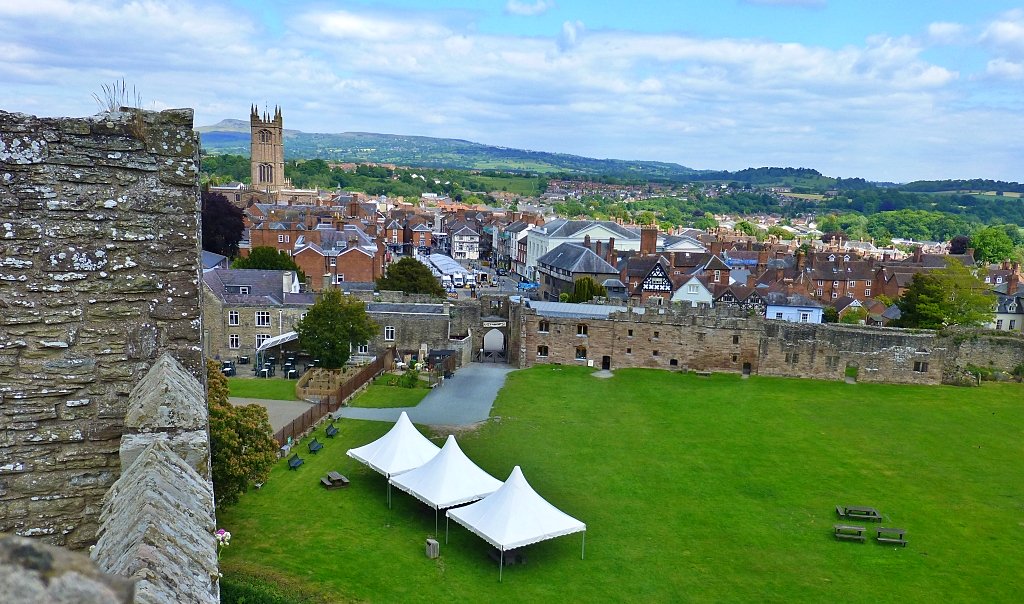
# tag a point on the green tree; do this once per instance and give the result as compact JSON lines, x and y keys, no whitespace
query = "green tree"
{"x":586,"y":289}
{"x":269,"y":259}
{"x":948,"y":296}
{"x":992,"y":244}
{"x":830,"y":315}
{"x":412,"y":277}
{"x":242,"y":448}
{"x":332,"y":326}
{"x":854,"y":316}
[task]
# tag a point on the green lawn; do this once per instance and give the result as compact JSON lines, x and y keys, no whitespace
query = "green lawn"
{"x":693,"y":489}
{"x":382,"y":394}
{"x":278,"y":389}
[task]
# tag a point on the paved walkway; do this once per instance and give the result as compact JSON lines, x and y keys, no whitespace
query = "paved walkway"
{"x":281,"y":412}
{"x":464,"y":399}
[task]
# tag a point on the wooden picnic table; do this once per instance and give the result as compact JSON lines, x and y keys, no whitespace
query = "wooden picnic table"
{"x":891,"y":535}
{"x":863,"y":513}
{"x":849,"y":532}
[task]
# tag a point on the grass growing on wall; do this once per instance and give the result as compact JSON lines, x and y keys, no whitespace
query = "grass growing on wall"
{"x":693,"y":489}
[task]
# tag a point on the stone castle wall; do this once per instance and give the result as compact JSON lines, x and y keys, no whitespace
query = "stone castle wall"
{"x":99,"y":275}
{"x":723,"y":339}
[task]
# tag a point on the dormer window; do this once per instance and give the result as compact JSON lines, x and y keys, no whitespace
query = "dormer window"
{"x":832,"y":258}
{"x":846,"y":258}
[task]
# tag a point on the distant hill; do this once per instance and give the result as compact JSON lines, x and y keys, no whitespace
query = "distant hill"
{"x":232,"y":136}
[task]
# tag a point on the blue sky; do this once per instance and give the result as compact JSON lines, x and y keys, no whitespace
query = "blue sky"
{"x":895,"y":90}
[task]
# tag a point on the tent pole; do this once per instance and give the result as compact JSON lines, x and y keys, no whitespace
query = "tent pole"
{"x":389,"y":494}
{"x":583,"y":548}
{"x":501,"y":563}
{"x":435,"y":521}
{"x":446,"y":529}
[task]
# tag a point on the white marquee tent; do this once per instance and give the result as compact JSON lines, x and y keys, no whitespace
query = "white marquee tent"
{"x":402,"y":449}
{"x":449,"y":479}
{"x":514,"y":516}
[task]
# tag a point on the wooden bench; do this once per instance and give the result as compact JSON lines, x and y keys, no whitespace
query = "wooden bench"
{"x":331,"y":431}
{"x":703,"y":373}
{"x":315,"y":446}
{"x":295,"y":461}
{"x":337,"y":479}
{"x":863,"y":513}
{"x":849,"y":532}
{"x":891,"y":535}
{"x":841,"y":511}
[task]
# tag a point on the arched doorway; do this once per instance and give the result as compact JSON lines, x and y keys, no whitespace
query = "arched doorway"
{"x":493,"y":349}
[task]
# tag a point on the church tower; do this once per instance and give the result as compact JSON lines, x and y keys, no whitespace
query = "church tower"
{"x":267,"y":151}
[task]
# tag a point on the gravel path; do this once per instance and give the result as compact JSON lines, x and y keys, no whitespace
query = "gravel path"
{"x":462,"y":400}
{"x":281,"y":412}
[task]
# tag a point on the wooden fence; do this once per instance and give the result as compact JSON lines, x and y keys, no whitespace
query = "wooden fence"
{"x":332,"y":402}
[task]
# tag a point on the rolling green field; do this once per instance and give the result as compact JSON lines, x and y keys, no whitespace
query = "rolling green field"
{"x":693,"y":489}
{"x":277,"y":389}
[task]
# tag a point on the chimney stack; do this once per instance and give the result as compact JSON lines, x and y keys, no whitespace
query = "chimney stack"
{"x":918,"y":255}
{"x":611,"y":251}
{"x":648,"y":240}
{"x":586,"y":241}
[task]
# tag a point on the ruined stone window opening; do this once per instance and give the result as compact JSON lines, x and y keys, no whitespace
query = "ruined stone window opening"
{"x":581,"y":353}
{"x":544,"y":327}
{"x":629,"y":351}
{"x":674,"y":363}
{"x":232,"y":317}
{"x":921,"y":366}
{"x":581,"y":329}
{"x":629,"y":333}
{"x":542,"y":351}
{"x":735,"y":339}
{"x":654,"y":353}
{"x":735,"y":358}
{"x":656,"y":334}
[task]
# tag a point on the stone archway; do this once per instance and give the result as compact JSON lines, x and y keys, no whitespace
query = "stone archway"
{"x":493,"y":348}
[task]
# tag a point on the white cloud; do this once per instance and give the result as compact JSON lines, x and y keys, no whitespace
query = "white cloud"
{"x":1003,"y":69}
{"x":862,"y":110}
{"x":1007,"y":33}
{"x":946,"y":33}
{"x":528,"y":9}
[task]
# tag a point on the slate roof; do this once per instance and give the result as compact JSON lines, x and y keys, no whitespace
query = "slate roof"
{"x":575,"y":258}
{"x":568,"y":228}
{"x":578,"y":311}
{"x":211,"y":259}
{"x":407,"y":308}
{"x":790,"y":299}
{"x":265,"y":287}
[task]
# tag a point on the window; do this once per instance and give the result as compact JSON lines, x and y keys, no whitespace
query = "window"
{"x":339,"y":278}
{"x":821,"y":282}
{"x":835,"y":284}
{"x":261,"y":338}
{"x":691,"y":289}
{"x":243,"y":289}
{"x":262,"y":318}
{"x":805,"y":317}
{"x":778,"y":315}
{"x":542,"y":351}
{"x":867,"y":292}
{"x":1013,"y":324}
{"x":233,"y":341}
{"x":735,"y":358}
{"x":656,"y":334}
{"x":629,"y":351}
{"x":581,"y":353}
{"x":851,"y":284}
{"x":654,"y":353}
{"x":835,"y":294}
{"x":735,"y":339}
{"x":818,"y":292}
{"x":988,"y":279}
{"x":363,"y":348}
{"x":389,"y":333}
{"x":333,"y":261}
{"x":232,"y":317}
{"x":544,"y":327}
{"x":718,"y":276}
{"x":921,"y":366}
{"x":674,"y":363}
{"x":700,"y":337}
{"x":581,"y":329}
{"x":999,"y":323}
{"x":792,"y":358}
{"x":280,"y":238}
{"x":999,"y":279}
{"x":629,"y":333}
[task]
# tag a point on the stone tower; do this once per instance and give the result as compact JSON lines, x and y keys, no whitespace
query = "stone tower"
{"x":267,"y":151}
